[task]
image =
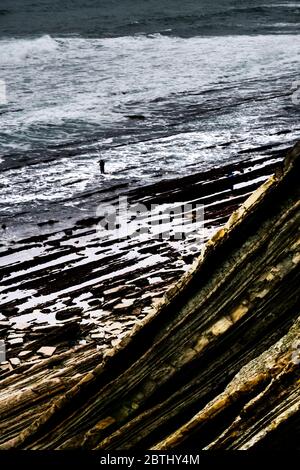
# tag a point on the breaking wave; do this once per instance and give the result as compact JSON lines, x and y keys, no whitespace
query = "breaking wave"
{"x":17,"y":50}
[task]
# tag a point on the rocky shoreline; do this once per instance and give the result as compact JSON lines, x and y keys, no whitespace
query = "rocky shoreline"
{"x":214,"y":365}
{"x":73,"y":288}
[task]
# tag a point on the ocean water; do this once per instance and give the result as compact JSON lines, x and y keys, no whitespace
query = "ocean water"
{"x":156,"y":88}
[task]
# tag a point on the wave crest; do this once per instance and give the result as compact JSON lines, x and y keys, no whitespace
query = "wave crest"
{"x":16,"y":50}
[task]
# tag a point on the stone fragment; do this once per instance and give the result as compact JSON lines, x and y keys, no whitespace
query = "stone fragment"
{"x":239,"y":312}
{"x":15,"y":335}
{"x":98,"y":335}
{"x":25,"y":353}
{"x":114,"y":290}
{"x":115,"y":326}
{"x":68,"y":313}
{"x":124,"y":304}
{"x":221,"y":326}
{"x":15,"y":341}
{"x":115,"y":342}
{"x":154,"y":280}
{"x":46,"y":351}
{"x":15,"y":361}
{"x":6,"y":367}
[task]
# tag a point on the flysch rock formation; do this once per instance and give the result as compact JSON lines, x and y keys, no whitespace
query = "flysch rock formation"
{"x":63,"y":287}
{"x":214,"y":366}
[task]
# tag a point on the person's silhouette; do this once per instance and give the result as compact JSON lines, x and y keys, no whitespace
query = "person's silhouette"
{"x":102,"y":166}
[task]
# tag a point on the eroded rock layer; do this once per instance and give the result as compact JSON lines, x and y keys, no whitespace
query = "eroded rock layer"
{"x":64,"y":287}
{"x":214,"y":366}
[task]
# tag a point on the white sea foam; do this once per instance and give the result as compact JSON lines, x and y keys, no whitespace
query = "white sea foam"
{"x":55,"y":82}
{"x":60,"y":88}
{"x":20,"y":50}
{"x":283,"y":5}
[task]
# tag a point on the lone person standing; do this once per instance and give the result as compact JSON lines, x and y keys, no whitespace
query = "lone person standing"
{"x":102,"y":166}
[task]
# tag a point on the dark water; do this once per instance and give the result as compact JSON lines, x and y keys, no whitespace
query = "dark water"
{"x":156,"y":88}
{"x":112,"y":18}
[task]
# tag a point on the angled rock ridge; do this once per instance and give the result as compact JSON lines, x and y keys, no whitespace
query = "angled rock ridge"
{"x":216,"y":364}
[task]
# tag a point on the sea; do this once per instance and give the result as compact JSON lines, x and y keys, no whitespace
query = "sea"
{"x":158,"y":89}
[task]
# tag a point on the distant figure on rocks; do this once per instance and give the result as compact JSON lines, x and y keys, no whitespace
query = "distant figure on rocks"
{"x":102,"y":166}
{"x":231,"y":180}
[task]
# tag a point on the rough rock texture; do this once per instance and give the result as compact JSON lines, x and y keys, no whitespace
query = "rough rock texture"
{"x":62,"y":287}
{"x":214,"y":366}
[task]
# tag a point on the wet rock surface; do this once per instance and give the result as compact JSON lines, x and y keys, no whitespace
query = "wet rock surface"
{"x":63,"y":287}
{"x":215,"y":363}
